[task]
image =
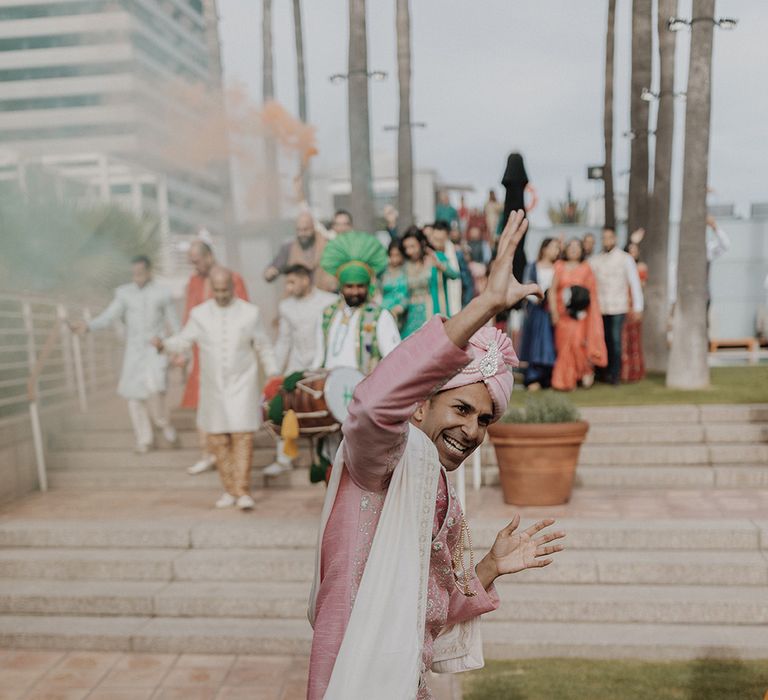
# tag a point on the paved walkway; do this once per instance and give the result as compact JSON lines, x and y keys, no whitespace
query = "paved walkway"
{"x":306,"y":502}
{"x":53,"y":675}
{"x":56,"y":675}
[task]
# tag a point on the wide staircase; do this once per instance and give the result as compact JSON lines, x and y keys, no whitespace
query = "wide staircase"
{"x":229,"y":582}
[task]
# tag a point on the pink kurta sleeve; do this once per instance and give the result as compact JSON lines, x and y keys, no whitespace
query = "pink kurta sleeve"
{"x":383,"y":403}
{"x":462,"y":608}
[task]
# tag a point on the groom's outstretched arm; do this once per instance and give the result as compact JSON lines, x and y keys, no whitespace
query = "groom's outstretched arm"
{"x":376,"y":428}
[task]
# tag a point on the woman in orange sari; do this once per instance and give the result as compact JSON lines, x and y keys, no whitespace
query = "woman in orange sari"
{"x":632,"y":361}
{"x":579,"y":339}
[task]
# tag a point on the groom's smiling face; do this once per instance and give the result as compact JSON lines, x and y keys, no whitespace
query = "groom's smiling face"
{"x":456,"y":420}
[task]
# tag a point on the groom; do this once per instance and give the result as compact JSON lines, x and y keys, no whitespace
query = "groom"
{"x":396,"y":590}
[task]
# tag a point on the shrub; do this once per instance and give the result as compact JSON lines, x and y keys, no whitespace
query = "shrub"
{"x":546,"y":407}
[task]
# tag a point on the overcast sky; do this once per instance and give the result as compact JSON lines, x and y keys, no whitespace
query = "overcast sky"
{"x":492,"y":76}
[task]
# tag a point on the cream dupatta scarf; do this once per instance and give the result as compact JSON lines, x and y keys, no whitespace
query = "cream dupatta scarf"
{"x":381,"y":654}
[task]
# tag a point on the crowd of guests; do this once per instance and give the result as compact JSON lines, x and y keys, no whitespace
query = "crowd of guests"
{"x":587,"y":327}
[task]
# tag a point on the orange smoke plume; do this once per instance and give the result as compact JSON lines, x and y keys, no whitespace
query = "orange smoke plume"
{"x":290,"y":132}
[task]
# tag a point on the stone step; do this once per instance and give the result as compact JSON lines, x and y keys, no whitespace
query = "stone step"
{"x":737,"y":413}
{"x":727,"y":476}
{"x":682,"y":413}
{"x":643,"y":477}
{"x":741,"y":476}
{"x":644,"y":433}
{"x":736,"y":432}
{"x":92,"y":633}
{"x":726,"y":605}
{"x":732,"y":605}
{"x":716,"y":568}
{"x":733,"y":454}
{"x":658,"y":642}
{"x":164,"y":478}
{"x":501,"y":640}
{"x":301,"y":534}
{"x":245,"y":565}
{"x":629,"y":455}
{"x":615,"y":455}
{"x":106,"y":460}
{"x":123,"y":440}
{"x":109,"y":417}
{"x":89,"y":564}
{"x":157,"y":635}
{"x":647,"y":534}
{"x":660,"y":433}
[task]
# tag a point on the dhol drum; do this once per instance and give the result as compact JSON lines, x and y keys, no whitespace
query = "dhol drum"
{"x":320,"y":400}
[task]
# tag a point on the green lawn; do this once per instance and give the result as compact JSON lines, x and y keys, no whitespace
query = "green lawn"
{"x":728,"y":385}
{"x":584,"y":679}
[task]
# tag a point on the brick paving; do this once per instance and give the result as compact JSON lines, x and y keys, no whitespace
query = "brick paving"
{"x":84,"y":675}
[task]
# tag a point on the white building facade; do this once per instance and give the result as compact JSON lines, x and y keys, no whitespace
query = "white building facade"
{"x":99,"y":89}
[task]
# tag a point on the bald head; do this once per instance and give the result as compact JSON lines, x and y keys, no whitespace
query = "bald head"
{"x":305,"y":229}
{"x":200,"y":256}
{"x":222,"y":285}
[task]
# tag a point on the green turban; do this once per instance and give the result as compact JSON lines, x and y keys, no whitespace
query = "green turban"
{"x":354,"y":258}
{"x":354,"y":272}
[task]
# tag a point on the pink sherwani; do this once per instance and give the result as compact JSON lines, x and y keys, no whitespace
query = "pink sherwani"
{"x":374,"y":439}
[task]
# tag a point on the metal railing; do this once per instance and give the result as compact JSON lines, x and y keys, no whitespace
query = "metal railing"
{"x":43,"y":365}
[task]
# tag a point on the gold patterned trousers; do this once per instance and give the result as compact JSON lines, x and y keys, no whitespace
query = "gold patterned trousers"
{"x":234,"y":455}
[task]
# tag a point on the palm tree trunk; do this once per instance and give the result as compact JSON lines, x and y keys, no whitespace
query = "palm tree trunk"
{"x":641,"y":77}
{"x":271,"y":175}
{"x":404,"y":132}
{"x":359,"y":126}
{"x":211,"y":14}
{"x":656,"y":241}
{"x":300,"y":72}
{"x":610,"y":206}
{"x":688,"y":368}
{"x":298,"y":30}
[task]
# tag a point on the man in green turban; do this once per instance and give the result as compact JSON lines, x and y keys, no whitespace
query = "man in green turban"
{"x":355,"y":331}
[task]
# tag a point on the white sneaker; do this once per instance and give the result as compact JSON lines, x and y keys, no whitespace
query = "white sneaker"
{"x":276,"y":468}
{"x":170,"y":435}
{"x":226,"y":501}
{"x":203,"y":465}
{"x":245,"y":502}
{"x":141,"y":449}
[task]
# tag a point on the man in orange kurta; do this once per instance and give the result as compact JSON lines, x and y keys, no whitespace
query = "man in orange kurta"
{"x":199,"y":290}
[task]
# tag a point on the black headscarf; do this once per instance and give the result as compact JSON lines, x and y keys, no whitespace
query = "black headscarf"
{"x":515,"y":180}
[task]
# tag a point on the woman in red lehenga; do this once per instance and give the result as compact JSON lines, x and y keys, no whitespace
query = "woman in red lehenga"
{"x":632,"y":362}
{"x":579,"y":338}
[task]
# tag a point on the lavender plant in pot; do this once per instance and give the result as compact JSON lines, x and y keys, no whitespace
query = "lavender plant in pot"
{"x":537,"y":449}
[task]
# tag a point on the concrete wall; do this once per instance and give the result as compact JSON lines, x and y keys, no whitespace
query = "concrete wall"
{"x":18,"y":475}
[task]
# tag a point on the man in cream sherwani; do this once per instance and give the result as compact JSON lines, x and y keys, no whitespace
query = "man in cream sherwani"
{"x":146,"y":309}
{"x":230,"y":336}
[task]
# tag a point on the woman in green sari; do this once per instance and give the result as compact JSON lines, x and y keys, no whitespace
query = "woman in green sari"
{"x":426,"y":273}
{"x":394,"y":287}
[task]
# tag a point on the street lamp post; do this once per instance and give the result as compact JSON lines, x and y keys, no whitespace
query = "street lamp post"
{"x":650,"y":96}
{"x":360,"y":171}
{"x":677,"y":24}
{"x":412,"y":125}
{"x":377,"y":75}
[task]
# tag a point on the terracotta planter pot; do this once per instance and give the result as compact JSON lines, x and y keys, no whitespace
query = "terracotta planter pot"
{"x":537,"y":461}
